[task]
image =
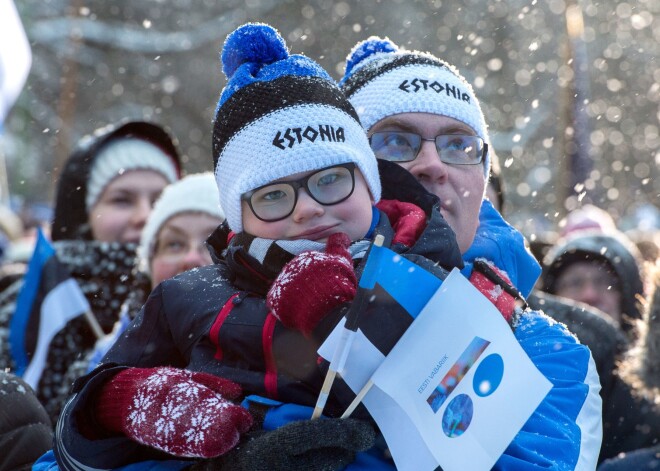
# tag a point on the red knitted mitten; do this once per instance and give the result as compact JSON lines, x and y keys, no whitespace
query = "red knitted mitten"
{"x":313,"y":284}
{"x":502,"y":300}
{"x":176,"y":411}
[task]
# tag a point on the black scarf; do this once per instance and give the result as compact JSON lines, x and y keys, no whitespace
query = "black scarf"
{"x":265,"y":258}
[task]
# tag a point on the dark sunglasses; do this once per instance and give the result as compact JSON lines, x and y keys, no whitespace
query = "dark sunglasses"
{"x":455,"y":149}
{"x":276,"y":201}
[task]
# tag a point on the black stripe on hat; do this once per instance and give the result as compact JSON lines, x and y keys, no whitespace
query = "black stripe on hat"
{"x":366,"y":74}
{"x":261,"y":98}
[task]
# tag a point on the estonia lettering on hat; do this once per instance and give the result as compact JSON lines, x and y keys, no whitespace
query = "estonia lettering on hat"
{"x":382,"y":80}
{"x":279,"y":114}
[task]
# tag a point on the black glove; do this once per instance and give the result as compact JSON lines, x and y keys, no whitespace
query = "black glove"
{"x":309,"y":445}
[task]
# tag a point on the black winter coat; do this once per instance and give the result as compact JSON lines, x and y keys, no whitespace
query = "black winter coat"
{"x":644,"y":459}
{"x":214,"y":319}
{"x":592,"y":327}
{"x":630,"y":420}
{"x":634,"y":409}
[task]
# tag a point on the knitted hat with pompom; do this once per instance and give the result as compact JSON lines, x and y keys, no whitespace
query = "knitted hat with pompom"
{"x":279,"y":114}
{"x":382,"y":80}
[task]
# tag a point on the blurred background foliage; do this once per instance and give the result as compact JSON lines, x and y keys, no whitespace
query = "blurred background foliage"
{"x":549,"y":97}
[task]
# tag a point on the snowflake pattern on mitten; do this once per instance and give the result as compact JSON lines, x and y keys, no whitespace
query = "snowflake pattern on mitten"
{"x":175,"y":411}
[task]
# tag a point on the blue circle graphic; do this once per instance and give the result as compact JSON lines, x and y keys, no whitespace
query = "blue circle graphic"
{"x":488,"y":375}
{"x":457,"y":416}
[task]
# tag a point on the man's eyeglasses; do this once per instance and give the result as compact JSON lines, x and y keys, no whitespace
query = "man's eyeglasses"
{"x":276,"y":201}
{"x":397,"y":146}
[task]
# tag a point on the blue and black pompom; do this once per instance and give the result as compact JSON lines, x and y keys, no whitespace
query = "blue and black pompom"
{"x":365,"y":49}
{"x":256,"y":52}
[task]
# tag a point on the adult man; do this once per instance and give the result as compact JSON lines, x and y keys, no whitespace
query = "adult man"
{"x":421,"y":113}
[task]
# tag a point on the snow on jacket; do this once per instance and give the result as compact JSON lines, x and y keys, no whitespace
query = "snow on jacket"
{"x":562,"y":434}
{"x":565,"y":431}
{"x":25,"y":430}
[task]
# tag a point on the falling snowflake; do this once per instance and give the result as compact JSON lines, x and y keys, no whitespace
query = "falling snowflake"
{"x":495,"y":293}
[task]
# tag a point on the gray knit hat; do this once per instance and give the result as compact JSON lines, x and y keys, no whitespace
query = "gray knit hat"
{"x":123,"y":154}
{"x":193,"y":193}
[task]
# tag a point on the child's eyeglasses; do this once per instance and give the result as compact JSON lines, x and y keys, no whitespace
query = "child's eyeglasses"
{"x":328,"y":186}
{"x":397,"y":146}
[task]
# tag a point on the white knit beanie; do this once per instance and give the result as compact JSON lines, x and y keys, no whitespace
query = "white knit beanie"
{"x":193,"y":193}
{"x":278,"y":115}
{"x":382,"y":80}
{"x":123,"y":154}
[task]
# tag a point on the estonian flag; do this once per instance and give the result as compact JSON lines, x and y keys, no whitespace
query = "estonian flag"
{"x":398,"y":291}
{"x":391,"y":292}
{"x":48,"y":300}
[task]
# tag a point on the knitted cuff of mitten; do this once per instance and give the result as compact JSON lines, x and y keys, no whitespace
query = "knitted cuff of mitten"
{"x":114,"y":398}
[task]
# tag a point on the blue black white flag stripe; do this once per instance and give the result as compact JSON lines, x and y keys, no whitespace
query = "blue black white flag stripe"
{"x":48,"y":300}
{"x":398,"y":291}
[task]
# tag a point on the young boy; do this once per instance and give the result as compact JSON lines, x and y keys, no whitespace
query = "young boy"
{"x":298,"y":183}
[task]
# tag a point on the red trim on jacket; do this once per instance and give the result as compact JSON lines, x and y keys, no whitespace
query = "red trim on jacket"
{"x":270,"y":377}
{"x":217,"y":324}
{"x":252,"y":270}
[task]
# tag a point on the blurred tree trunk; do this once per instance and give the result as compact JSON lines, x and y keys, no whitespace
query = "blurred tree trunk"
{"x":577,"y":163}
{"x":66,"y":107}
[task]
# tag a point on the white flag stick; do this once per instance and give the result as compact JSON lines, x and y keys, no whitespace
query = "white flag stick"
{"x":336,"y":364}
{"x":94,"y":324}
{"x":363,"y":392}
{"x":341,"y":352}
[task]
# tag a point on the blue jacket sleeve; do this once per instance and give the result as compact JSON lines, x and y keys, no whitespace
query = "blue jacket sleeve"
{"x":565,"y":431}
{"x":47,"y":462}
{"x":501,"y":243}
